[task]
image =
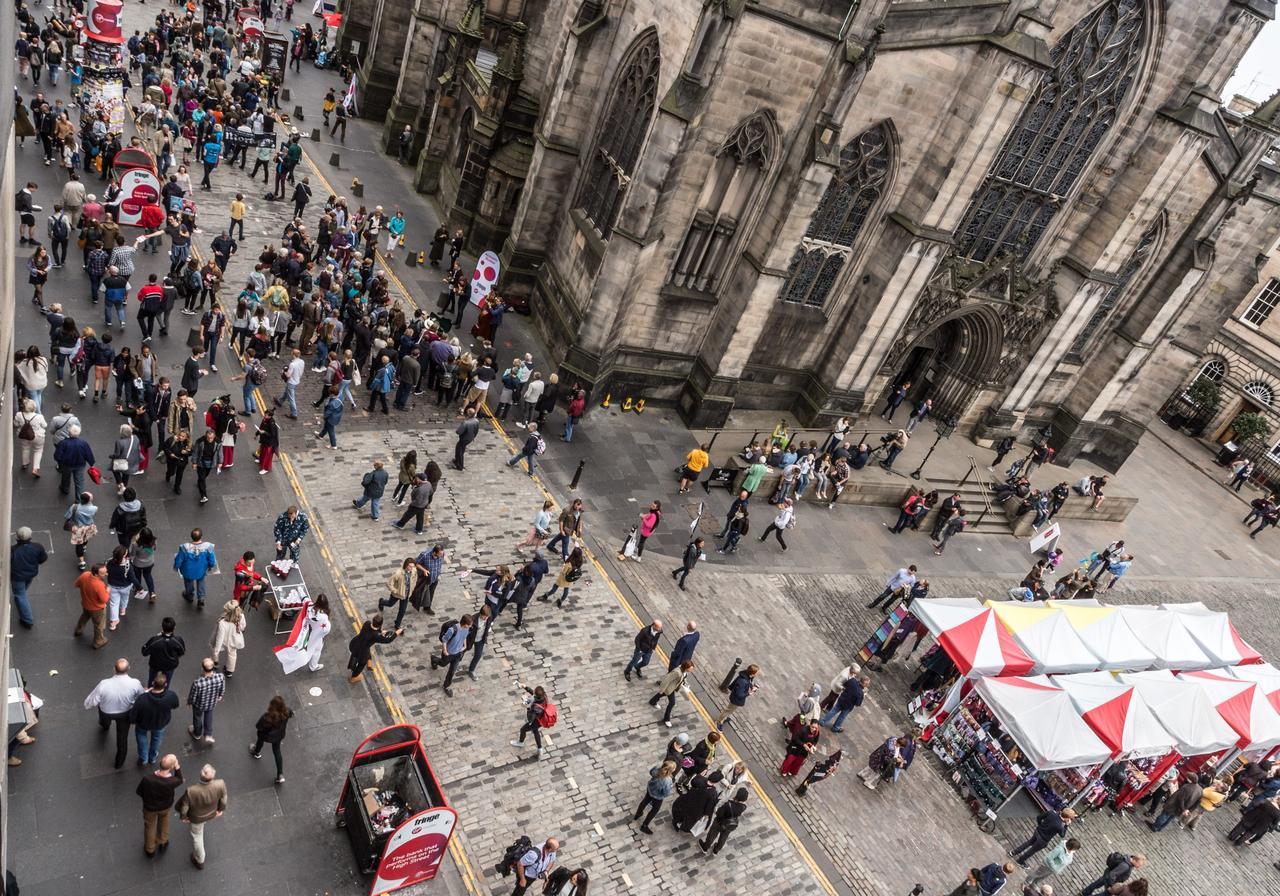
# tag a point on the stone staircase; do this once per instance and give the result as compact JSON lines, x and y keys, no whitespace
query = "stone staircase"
{"x":993,"y":523}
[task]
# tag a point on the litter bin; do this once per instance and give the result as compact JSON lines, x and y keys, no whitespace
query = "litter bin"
{"x":395,"y":814}
{"x":1227,"y":453}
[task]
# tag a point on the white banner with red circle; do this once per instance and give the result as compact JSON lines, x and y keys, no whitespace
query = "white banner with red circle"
{"x":486,"y":275}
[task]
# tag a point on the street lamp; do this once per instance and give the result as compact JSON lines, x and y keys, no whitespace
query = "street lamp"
{"x":944,"y":426}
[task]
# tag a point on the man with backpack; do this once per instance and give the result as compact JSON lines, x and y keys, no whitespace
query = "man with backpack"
{"x":455,"y":639}
{"x":533,"y":445}
{"x":59,"y":235}
{"x":530,"y":863}
{"x":1119,"y":868}
{"x":954,"y":527}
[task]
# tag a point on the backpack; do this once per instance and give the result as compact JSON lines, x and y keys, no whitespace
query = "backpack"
{"x":61,"y":230}
{"x":513,"y":854}
{"x":257,"y":373}
{"x":1115,"y":859}
{"x":27,"y":433}
{"x":549,"y":716}
{"x":446,"y":379}
{"x":542,"y":446}
{"x":573,"y":574}
{"x":444,"y":629}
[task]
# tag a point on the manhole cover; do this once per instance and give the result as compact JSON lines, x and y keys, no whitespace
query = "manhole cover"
{"x":245,"y":507}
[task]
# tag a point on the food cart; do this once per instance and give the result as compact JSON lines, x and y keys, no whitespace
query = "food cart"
{"x":288,"y":593}
{"x":394,"y":811}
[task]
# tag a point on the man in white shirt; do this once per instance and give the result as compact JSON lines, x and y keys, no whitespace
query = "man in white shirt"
{"x":903,"y":578}
{"x":292,"y":378}
{"x":113,"y":698}
{"x":535,"y":865}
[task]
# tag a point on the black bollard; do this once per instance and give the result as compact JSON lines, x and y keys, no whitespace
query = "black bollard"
{"x":315,"y":135}
{"x":733,"y":672}
{"x":335,"y":160}
{"x":284,"y":95}
{"x":577,"y":474}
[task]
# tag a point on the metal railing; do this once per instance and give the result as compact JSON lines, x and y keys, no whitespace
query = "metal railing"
{"x":821,"y":436}
{"x":982,"y":488}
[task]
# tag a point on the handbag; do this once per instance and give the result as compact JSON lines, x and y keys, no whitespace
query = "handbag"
{"x":121,"y":464}
{"x":701,"y":826}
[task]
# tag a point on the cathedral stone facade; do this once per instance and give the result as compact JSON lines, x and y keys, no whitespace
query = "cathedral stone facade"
{"x":1033,"y":211}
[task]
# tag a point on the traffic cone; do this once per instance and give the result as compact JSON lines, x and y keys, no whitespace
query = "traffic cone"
{"x":422,"y":256}
{"x":639,"y":407}
{"x":626,"y":403}
{"x":400,"y":242}
{"x":607,"y":396}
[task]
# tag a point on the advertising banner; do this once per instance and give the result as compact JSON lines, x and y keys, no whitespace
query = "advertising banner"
{"x":414,"y":852}
{"x":138,"y":187}
{"x":485,"y":276}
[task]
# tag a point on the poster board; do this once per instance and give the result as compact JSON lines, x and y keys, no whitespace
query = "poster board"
{"x":414,"y":852}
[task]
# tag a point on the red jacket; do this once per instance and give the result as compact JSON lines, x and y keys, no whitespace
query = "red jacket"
{"x":93,"y":592}
{"x":152,"y":217}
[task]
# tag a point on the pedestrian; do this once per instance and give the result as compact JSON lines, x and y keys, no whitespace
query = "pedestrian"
{"x":1003,"y":447}
{"x":113,"y":698}
{"x":992,"y":878}
{"x":1118,"y":869}
{"x":199,"y":805}
{"x":150,"y":715}
{"x":648,"y":524}
{"x":573,"y":413}
{"x":373,"y":484}
{"x":569,"y":573}
{"x":271,"y":728}
{"x":401,"y":584}
{"x":158,"y":789}
{"x":569,"y":527}
{"x":164,"y":651}
{"x":306,"y":642}
{"x":533,"y":446}
{"x":467,"y":431}
{"x":954,"y":527}
{"x":783,"y":520}
{"x":842,"y":678}
{"x":228,"y":635}
{"x":194,"y":561}
{"x":692,"y":554}
{"x":896,"y":444}
{"x":79,"y":520}
{"x":73,"y":457}
{"x":540,"y":530}
{"x":129,"y":518}
{"x":684,"y":646}
{"x":1049,"y":826}
{"x":850,"y":698}
{"x":380,"y":385}
{"x":29,"y":428}
{"x":92,"y":585}
{"x":918,"y":414}
{"x":419,"y":500}
{"x":742,"y":687}
{"x":799,"y":747}
{"x":659,"y":787}
{"x":430,"y":564}
{"x":290,"y":529}
{"x":1213,"y":795}
{"x":1255,"y":822}
{"x":362,"y":643}
{"x":206,"y":454}
{"x":1118,"y":568}
{"x":669,"y":686}
{"x":126,"y":456}
{"x":1181,"y":802}
{"x":823,"y":769}
{"x":1055,"y":861}
{"x":896,"y":395}
{"x":883,"y":762}
{"x":206,"y":693}
{"x":898,"y":584}
{"x":806,"y":709}
{"x":404,"y":481}
{"x":698,"y":797}
{"x":454,"y":641}
{"x":724,"y":822}
{"x":694,"y":463}
{"x":540,"y":713}
{"x":534,"y":865}
{"x":646,"y":641}
{"x":25,"y":557}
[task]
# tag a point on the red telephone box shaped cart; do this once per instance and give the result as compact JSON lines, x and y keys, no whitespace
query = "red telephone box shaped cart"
{"x":396,"y":816}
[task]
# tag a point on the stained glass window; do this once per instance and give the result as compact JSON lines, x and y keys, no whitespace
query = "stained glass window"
{"x":846,"y":205}
{"x":612,"y":163}
{"x":1044,"y":155}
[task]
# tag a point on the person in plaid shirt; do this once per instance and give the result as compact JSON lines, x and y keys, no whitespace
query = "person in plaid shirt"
{"x":430,"y":564}
{"x":206,"y":693}
{"x":95,"y":263}
{"x":291,"y":527}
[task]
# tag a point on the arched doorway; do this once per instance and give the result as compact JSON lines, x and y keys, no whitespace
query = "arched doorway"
{"x":950,"y":363}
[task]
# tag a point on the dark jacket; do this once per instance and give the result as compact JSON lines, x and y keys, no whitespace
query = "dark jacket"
{"x":692,"y":553}
{"x":1049,"y":825}
{"x":684,"y":649}
{"x":158,"y":793}
{"x":1184,"y":799}
{"x":361,"y":644}
{"x":164,"y":651}
{"x":374,"y":483}
{"x":152,"y":711}
{"x":24,"y":560}
{"x":851,"y":696}
{"x":130,"y":521}
{"x":740,"y":689}
{"x":273,"y":732}
{"x":73,"y":452}
{"x":647,"y":639}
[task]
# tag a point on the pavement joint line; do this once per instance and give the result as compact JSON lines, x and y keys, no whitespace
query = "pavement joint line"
{"x":699,"y":706}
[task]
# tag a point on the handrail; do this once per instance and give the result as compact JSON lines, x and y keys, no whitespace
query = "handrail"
{"x":982,"y":487}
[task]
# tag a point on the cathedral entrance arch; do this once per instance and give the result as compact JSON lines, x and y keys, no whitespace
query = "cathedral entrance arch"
{"x":950,"y":363}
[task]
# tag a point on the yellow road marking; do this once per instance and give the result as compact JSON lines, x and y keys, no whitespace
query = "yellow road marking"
{"x":462,"y":860}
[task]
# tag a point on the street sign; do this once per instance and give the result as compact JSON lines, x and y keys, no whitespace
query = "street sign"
{"x":1045,"y":538}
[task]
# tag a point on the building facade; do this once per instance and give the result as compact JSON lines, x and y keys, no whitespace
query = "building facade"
{"x":1033,"y":211}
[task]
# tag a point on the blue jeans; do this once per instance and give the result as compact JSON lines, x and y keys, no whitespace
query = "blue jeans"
{"x":568,"y":429}
{"x":403,"y":391}
{"x":202,"y":722}
{"x":836,"y":715}
{"x":375,"y":505}
{"x":322,"y":353}
{"x":563,"y":541}
{"x":250,"y":405}
{"x":211,"y":348}
{"x":193,"y":587}
{"x":522,"y":456}
{"x":19,"y":589}
{"x":1162,"y":821}
{"x":639,"y":659}
{"x":331,"y":431}
{"x":344,"y":391}
{"x":118,"y":308}
{"x":290,"y":398}
{"x":149,"y":744}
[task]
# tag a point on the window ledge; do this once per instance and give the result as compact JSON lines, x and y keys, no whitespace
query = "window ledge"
{"x":684,"y":294}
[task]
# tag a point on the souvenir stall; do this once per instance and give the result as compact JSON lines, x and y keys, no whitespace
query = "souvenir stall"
{"x":1214,"y":634}
{"x":1184,"y":710}
{"x":1105,"y":631}
{"x":1164,"y":634}
{"x":101,"y":86}
{"x":1047,"y":636}
{"x":1267,"y":678}
{"x":1242,"y":705}
{"x":1006,"y":734}
{"x":1124,"y":722}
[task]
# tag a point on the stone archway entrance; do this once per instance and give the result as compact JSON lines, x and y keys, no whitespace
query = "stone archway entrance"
{"x":950,"y":363}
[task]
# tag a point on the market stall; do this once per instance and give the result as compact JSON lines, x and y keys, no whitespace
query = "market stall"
{"x":1047,"y":636}
{"x":1165,"y":635}
{"x":1106,"y":632}
{"x":394,"y":811}
{"x":1215,"y":634}
{"x":1006,"y":733}
{"x":973,"y":637}
{"x":1242,"y":706}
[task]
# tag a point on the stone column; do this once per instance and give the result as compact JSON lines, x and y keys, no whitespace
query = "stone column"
{"x":380,"y":64}
{"x":414,"y":101}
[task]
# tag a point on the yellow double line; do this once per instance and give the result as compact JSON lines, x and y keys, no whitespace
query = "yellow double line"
{"x":465,"y":868}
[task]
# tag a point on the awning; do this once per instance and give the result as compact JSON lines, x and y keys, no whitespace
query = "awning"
{"x":940,"y":614}
{"x":1184,"y":710}
{"x":1266,"y":676}
{"x":1215,"y":634}
{"x":1105,"y":632}
{"x":1117,"y":714}
{"x":1242,"y":705}
{"x":1046,"y":635}
{"x":1043,"y":721}
{"x":982,"y":646}
{"x":1164,"y":635}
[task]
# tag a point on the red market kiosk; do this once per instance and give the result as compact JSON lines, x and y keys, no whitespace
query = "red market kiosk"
{"x":139,"y":185}
{"x":394,"y":811}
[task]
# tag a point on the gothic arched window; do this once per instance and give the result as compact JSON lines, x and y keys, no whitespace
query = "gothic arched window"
{"x":845,"y":207}
{"x":740,"y":165}
{"x":1214,"y":370}
{"x":1137,"y":260}
{"x":620,"y":134}
{"x":1044,"y":155}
